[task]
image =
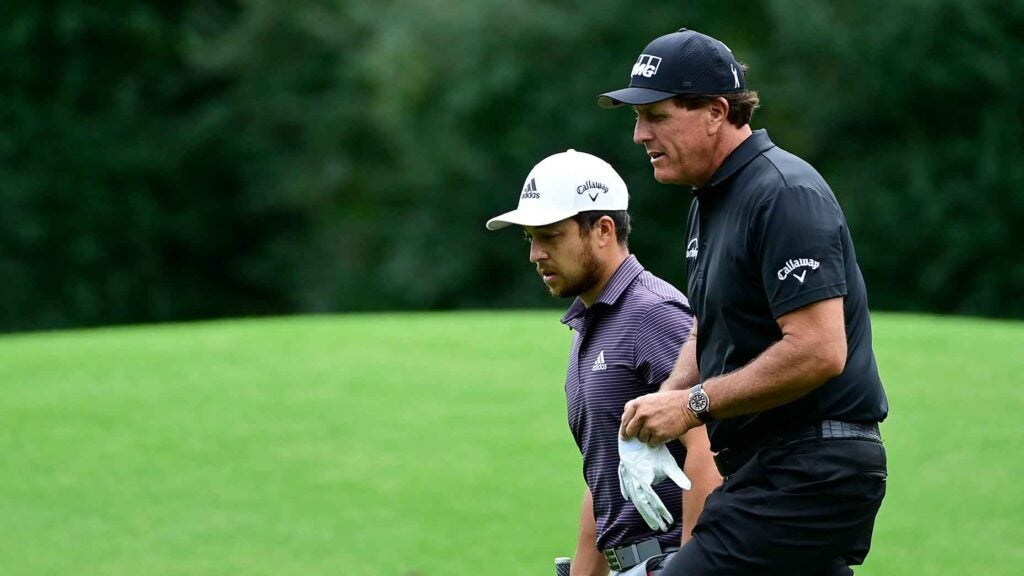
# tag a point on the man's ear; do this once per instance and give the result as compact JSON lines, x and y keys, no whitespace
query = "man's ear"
{"x":718,"y":114}
{"x":605,"y":227}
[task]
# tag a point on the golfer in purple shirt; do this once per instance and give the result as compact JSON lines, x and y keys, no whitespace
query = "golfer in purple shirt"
{"x":628,"y":327}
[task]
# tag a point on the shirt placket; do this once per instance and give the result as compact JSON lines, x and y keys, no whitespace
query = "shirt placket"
{"x":581,"y":331}
{"x":700,"y":266}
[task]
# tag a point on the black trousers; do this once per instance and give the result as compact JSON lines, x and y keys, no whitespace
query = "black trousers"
{"x":806,"y":508}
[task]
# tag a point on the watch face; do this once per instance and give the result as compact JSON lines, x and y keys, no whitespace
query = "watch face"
{"x":699,"y":401}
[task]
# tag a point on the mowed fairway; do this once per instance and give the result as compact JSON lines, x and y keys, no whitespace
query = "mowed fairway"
{"x":423,"y":444}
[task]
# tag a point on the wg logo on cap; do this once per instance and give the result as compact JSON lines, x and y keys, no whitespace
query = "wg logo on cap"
{"x":530,"y":190}
{"x":646,"y":66}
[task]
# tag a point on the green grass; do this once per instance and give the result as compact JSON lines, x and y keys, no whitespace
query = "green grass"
{"x":425,"y":444}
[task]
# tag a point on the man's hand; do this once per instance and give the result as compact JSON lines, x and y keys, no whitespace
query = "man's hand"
{"x":640,"y":468}
{"x":659,"y":417}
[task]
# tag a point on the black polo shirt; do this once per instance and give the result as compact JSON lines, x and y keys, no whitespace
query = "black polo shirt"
{"x":765,"y":237}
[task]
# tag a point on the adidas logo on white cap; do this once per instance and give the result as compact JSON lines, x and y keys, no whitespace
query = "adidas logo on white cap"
{"x":530,"y":190}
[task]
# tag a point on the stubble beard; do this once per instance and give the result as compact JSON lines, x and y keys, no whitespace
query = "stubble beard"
{"x":584,"y":281}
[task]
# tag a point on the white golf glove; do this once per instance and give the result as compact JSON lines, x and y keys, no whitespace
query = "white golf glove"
{"x":640,"y":468}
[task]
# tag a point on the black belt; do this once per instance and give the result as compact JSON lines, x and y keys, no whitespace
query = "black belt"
{"x":626,"y":557}
{"x":729,"y":460}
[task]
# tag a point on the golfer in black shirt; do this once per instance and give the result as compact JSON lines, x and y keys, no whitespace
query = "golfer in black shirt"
{"x":779,"y":366}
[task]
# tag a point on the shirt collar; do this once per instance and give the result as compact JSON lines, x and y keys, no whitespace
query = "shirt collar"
{"x":617,"y":284}
{"x":749,"y":149}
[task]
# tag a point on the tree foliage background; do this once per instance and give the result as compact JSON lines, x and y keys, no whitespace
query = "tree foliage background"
{"x":211,"y":158}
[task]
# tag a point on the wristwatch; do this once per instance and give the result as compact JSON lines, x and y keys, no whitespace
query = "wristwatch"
{"x":699,"y":403}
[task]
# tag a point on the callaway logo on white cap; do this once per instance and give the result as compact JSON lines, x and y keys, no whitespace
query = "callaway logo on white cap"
{"x":563,"y":185}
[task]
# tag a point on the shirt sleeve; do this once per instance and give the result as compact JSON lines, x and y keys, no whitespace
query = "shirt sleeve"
{"x":661,"y":334}
{"x":797,"y":235}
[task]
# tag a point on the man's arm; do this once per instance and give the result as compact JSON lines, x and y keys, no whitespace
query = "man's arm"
{"x":588,"y":560}
{"x":699,"y":466}
{"x":812,"y":350}
{"x":685,"y":373}
{"x":700,"y":469}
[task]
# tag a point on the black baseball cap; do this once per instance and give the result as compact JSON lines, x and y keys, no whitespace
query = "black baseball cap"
{"x":683,"y":62}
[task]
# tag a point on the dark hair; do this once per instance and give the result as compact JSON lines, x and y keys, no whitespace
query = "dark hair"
{"x":621,"y":218}
{"x":741,"y":104}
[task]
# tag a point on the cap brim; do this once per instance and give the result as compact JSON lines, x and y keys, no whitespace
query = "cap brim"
{"x":528,"y":218}
{"x":631,"y":96}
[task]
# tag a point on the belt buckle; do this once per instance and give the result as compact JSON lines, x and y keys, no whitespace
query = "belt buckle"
{"x":613,"y":559}
{"x":626,"y":557}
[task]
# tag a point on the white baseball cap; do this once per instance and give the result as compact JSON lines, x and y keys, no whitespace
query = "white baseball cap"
{"x":562,"y":186}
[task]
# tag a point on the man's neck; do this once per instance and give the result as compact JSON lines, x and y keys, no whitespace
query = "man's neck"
{"x":731,"y":140}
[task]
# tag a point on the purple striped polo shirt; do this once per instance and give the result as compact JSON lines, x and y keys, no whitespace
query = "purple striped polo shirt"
{"x":623,"y":346}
